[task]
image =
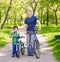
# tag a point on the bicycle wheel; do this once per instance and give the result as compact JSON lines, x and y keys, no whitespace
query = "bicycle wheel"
{"x":22,"y":48}
{"x":22,"y":51}
{"x":18,"y":50}
{"x":37,"y":48}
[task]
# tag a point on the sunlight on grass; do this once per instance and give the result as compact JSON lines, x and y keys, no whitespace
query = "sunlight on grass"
{"x":49,"y":33}
{"x":4,"y":38}
{"x":53,"y":43}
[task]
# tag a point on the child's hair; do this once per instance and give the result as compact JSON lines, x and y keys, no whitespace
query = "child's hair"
{"x":15,"y":27}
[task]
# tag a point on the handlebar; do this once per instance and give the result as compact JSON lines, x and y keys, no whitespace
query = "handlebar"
{"x":18,"y":37}
{"x":35,"y":31}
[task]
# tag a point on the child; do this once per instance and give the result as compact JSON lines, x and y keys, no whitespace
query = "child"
{"x":15,"y":36}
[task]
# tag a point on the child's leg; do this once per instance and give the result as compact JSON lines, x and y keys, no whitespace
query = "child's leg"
{"x":14,"y":50}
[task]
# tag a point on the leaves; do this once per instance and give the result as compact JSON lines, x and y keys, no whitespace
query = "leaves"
{"x":19,"y":7}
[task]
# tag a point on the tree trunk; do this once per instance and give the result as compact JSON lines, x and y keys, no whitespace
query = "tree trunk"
{"x":41,"y":15}
{"x":47,"y":17}
{"x":15,"y":19}
{"x":21,"y":20}
{"x":56,"y":17}
{"x":14,"y":22}
{"x":34,"y":8}
{"x":7,"y":20}
{"x":0,"y":16}
{"x":43,"y":21}
{"x":55,"y":12}
{"x":2,"y":26}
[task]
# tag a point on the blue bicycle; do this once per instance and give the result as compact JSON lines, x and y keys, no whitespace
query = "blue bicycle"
{"x":20,"y":48}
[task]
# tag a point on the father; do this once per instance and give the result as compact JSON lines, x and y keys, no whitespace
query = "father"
{"x":30,"y":24}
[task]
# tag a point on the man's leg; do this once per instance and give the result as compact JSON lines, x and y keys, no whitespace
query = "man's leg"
{"x":29,"y":45}
{"x":33,"y":36}
{"x":28,"y":39}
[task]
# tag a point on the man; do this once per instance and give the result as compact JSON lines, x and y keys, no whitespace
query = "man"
{"x":30,"y":24}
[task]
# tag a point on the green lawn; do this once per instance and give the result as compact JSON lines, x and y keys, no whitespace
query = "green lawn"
{"x":4,"y":35}
{"x":4,"y":38}
{"x":49,"y":34}
{"x":54,"y":44}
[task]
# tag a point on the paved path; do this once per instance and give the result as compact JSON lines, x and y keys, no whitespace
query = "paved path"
{"x":46,"y":54}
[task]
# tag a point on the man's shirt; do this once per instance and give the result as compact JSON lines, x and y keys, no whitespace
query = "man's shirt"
{"x":31,"y":23}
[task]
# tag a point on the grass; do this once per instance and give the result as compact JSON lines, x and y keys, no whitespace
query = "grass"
{"x":49,"y":33}
{"x":50,"y":29}
{"x":4,"y":35}
{"x":54,"y":44}
{"x":4,"y":38}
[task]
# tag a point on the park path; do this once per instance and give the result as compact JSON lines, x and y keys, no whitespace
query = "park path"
{"x":46,"y":54}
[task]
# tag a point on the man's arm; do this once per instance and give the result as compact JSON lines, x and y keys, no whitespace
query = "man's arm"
{"x":25,"y":28}
{"x":25,"y":25}
{"x":39,"y":24}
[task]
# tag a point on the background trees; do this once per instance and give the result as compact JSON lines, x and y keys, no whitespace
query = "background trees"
{"x":6,"y":16}
{"x":13,"y":11}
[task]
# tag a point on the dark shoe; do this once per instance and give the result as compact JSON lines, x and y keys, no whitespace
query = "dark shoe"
{"x":17,"y":56}
{"x":30,"y":55}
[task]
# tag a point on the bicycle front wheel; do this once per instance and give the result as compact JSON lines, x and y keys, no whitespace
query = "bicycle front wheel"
{"x":18,"y":50}
{"x":37,"y":49}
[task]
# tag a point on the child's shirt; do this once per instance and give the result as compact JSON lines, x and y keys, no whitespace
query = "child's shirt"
{"x":16,"y":38}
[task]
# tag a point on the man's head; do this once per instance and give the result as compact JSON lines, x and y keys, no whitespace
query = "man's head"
{"x":29,"y":13}
{"x":15,"y":28}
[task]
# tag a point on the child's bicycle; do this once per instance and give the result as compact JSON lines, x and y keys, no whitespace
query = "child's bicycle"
{"x":20,"y":48}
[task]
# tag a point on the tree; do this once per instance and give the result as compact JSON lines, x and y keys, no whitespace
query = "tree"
{"x":2,"y":26}
{"x":31,"y":4}
{"x":42,"y":8}
{"x":0,"y":16}
{"x":55,"y":6}
{"x":55,"y":12}
{"x":34,"y":6}
{"x":45,"y":4}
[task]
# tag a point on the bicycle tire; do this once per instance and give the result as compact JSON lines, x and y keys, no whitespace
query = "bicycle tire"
{"x":18,"y":50}
{"x":22,"y":51}
{"x":36,"y":49}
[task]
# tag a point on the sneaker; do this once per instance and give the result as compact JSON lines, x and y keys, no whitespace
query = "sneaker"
{"x":17,"y":56}
{"x":30,"y":55}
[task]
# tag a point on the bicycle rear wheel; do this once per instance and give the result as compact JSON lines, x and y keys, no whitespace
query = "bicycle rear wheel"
{"x":18,"y":50}
{"x":22,"y":51}
{"x":37,"y":48}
